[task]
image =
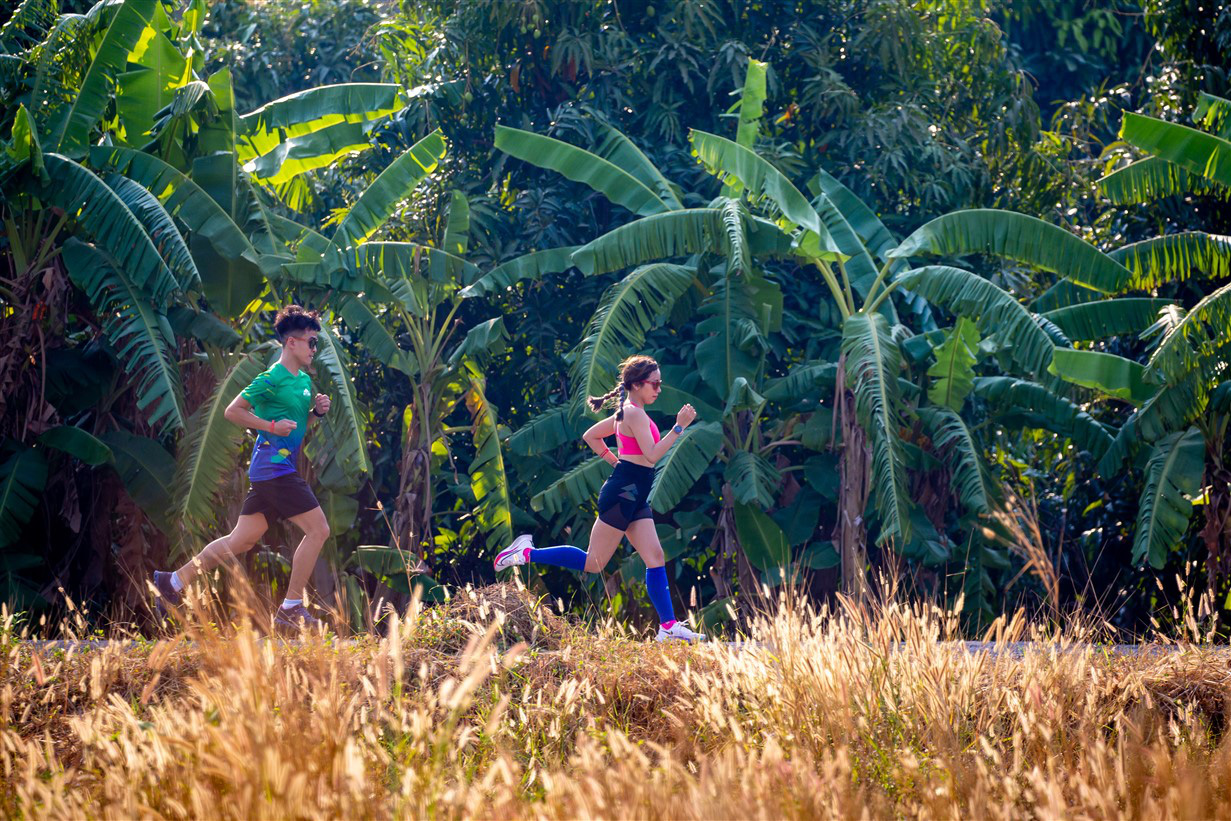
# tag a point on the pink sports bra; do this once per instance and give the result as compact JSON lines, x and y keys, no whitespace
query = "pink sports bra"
{"x":627,"y":445}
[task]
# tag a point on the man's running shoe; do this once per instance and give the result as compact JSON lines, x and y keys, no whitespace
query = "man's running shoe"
{"x":294,"y":619}
{"x":516,"y":553}
{"x":678,"y":632}
{"x":166,"y":596}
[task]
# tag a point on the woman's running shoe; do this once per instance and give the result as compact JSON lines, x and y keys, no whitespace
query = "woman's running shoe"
{"x":678,"y":632}
{"x":515,"y":554}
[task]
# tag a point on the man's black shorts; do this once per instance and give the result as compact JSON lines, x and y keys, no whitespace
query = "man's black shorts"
{"x":280,"y":498}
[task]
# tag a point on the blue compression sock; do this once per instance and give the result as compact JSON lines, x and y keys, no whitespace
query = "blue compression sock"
{"x":660,"y":596}
{"x":574,"y":558}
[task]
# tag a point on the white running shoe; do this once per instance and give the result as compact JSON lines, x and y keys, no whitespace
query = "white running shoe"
{"x":515,"y":553}
{"x":679,"y":632}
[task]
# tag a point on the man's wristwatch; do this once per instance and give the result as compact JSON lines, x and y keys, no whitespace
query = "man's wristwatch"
{"x":678,"y":430}
{"x":317,"y":415}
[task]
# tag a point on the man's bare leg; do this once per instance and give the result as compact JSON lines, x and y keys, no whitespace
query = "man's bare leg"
{"x":315,"y":529}
{"x":243,"y":537}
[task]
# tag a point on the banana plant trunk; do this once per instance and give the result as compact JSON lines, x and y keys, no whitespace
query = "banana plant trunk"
{"x":1217,"y":510}
{"x":850,"y":533}
{"x":731,"y":557}
{"x":412,"y":516}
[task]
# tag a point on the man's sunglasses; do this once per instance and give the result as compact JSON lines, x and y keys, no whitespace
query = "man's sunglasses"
{"x":311,"y":340}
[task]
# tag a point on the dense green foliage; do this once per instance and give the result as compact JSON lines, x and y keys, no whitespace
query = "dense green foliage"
{"x":903,"y":295}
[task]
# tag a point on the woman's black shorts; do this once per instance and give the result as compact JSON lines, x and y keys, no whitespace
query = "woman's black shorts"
{"x":280,"y":498}
{"x":625,"y":496}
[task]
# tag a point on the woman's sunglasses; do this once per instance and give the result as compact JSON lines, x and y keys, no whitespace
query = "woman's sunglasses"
{"x":657,"y":384}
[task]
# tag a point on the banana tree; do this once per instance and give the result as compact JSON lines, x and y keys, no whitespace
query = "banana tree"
{"x":837,"y":241}
{"x":1176,"y":429}
{"x":1179,"y":410}
{"x":125,"y":178}
{"x":444,"y":367}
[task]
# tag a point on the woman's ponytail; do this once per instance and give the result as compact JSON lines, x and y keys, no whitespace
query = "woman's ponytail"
{"x":596,"y":403}
{"x":620,"y":407}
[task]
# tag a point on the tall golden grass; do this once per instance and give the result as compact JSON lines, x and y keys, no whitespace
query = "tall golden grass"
{"x":493,"y":707}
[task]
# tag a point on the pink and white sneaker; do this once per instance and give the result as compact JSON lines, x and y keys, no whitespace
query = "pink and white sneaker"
{"x":678,"y":631}
{"x":515,"y":554}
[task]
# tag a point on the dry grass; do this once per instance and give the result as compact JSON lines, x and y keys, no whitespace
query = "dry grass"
{"x":493,"y":707}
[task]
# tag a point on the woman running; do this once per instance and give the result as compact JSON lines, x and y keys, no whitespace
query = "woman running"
{"x":623,"y":503}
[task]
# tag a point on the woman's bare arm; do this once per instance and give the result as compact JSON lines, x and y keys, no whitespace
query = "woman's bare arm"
{"x":596,"y":434}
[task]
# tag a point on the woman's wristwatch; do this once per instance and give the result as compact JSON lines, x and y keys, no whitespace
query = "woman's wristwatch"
{"x":678,"y":430}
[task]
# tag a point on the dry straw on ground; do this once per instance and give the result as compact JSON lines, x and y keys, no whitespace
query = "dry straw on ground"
{"x":493,"y":707}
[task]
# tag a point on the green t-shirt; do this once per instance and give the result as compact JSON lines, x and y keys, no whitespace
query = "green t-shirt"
{"x":278,"y":394}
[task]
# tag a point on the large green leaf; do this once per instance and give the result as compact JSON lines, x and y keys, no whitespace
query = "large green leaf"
{"x":159,"y":70}
{"x":1151,"y":179}
{"x":678,"y":471}
{"x":1064,"y":294}
{"x":454,"y":241}
{"x":393,"y":185}
{"x":160,"y":227}
{"x":1171,"y":408}
{"x":752,"y":478}
{"x":28,"y":25}
{"x":621,"y":152}
{"x":1019,"y":237}
{"x":70,"y":127}
{"x":1017,"y":402}
{"x":343,"y":435}
{"x":78,"y":443}
{"x":1182,"y":348}
{"x":993,"y":309}
{"x":109,"y":222}
{"x":549,"y":430}
{"x":1175,"y":258}
{"x":148,"y":473}
{"x":655,"y":238}
{"x":534,"y":265}
{"x":1213,"y":113}
{"x":579,"y":165}
{"x":872,"y":365}
{"x":180,"y":196}
{"x":1105,"y":372}
{"x":307,"y":152}
{"x":488,"y":480}
{"x":1196,"y":152}
{"x":971,"y":483}
{"x":22,"y":477}
{"x":862,"y":220}
{"x":374,"y":334}
{"x":1105,"y":318}
{"x":803,"y":381}
{"x":733,"y":333}
{"x":142,"y":337}
{"x":763,"y":183}
{"x":1173,"y":477}
{"x":628,"y":310}
{"x":483,"y":341}
{"x":763,"y":541}
{"x":751,"y":107}
{"x":954,"y":370}
{"x":310,"y":111}
{"x":230,"y":282}
{"x":575,"y":488}
{"x":209,"y":452}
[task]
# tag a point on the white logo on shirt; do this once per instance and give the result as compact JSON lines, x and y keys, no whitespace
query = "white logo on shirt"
{"x":305,"y":392}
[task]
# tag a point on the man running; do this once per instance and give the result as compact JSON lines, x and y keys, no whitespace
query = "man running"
{"x":276,"y":405}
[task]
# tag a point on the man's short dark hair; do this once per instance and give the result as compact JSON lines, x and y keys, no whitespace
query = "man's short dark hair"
{"x":294,"y":318}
